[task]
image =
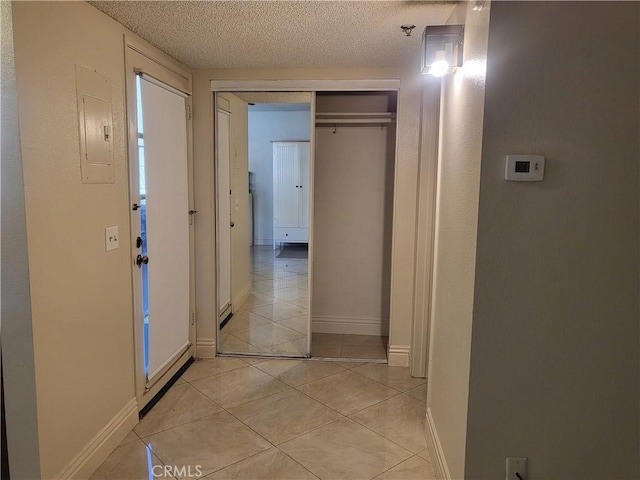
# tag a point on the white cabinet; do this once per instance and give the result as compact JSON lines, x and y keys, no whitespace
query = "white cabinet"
{"x":290,"y":192}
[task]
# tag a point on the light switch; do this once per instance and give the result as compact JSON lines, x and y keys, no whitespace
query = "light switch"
{"x":111,"y":236}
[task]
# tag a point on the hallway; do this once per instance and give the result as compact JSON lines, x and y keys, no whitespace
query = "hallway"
{"x":282,"y":419}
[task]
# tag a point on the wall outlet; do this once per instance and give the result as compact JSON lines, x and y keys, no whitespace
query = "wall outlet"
{"x":516,"y":468}
{"x":111,"y":236}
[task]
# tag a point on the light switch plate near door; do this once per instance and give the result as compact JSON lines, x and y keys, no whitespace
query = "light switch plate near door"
{"x":111,"y":236}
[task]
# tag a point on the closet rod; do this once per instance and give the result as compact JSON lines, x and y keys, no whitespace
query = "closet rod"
{"x":344,"y":121}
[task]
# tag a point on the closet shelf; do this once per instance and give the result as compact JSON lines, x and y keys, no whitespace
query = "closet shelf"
{"x":355,"y":117}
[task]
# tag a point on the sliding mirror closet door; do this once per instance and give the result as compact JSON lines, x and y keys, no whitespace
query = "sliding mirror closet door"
{"x":263,"y":170}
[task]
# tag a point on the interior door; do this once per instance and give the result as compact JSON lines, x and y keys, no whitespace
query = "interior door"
{"x":162,"y":203}
{"x":224,"y":216}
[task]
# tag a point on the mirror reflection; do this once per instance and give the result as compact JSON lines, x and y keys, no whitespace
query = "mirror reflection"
{"x":262,"y":220}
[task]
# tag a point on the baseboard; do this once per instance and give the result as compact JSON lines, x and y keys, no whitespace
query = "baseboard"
{"x":399,"y":355}
{"x":435,"y":449}
{"x":241,"y":297}
{"x":101,"y":446}
{"x":349,"y":325}
{"x":205,"y":347}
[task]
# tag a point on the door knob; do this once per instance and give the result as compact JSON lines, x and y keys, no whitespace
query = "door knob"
{"x":232,"y":224}
{"x":140,"y":259}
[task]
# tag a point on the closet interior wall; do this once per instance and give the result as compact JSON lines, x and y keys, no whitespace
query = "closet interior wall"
{"x":353,"y":208}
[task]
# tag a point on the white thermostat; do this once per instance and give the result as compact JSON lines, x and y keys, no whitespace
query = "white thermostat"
{"x":524,"y":168}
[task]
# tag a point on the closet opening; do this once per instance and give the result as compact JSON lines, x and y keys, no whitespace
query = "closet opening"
{"x":355,"y":150}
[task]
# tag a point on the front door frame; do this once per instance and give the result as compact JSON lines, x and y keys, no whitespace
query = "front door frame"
{"x":140,"y":58}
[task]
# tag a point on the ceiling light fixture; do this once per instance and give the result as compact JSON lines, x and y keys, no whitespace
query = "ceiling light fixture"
{"x":442,"y":49}
{"x":407,"y":29}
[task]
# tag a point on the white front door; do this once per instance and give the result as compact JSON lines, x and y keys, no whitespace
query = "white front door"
{"x":161,"y":205}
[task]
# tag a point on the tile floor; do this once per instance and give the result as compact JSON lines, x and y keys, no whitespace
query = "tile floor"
{"x":330,"y":345}
{"x":231,"y":418}
{"x":273,"y":319}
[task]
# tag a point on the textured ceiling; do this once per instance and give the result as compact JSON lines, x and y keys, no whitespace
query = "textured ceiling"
{"x":280,"y":34}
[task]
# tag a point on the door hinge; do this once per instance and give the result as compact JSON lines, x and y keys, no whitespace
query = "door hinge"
{"x":189,"y":112}
{"x":193,"y":318}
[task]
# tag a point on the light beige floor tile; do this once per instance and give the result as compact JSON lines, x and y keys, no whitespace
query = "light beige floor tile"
{"x":394,"y":377}
{"x":239,"y":386}
{"x":256,"y":300}
{"x":181,"y":404}
{"x":254,"y":361}
{"x":326,"y":339}
{"x":297,"y":347}
{"x":264,"y":270}
{"x":296,"y":373}
{"x":301,"y":302}
{"x":285,"y":415}
{"x":258,"y":278}
{"x":268,"y":335}
{"x":292,"y":281}
{"x":344,"y":450}
{"x":350,"y":365}
{"x":231,"y":344}
{"x":244,"y":319}
{"x":415,"y":468}
{"x":291,"y":294}
{"x":278,"y":272}
{"x":279,"y":310}
{"x":300,"y":268}
{"x":133,"y":460}
{"x":425,"y":454}
{"x":371,"y":352}
{"x":131,"y":437}
{"x":419,"y":393}
{"x":212,"y":442}
{"x":299,"y":324}
{"x":347,"y":392}
{"x":211,"y":366}
{"x":400,"y":419}
{"x":291,"y":261}
{"x":260,"y":267}
{"x":326,"y":350}
{"x":271,"y":464}
{"x":364,"y":341}
{"x":179,"y":381}
{"x":263,"y":286}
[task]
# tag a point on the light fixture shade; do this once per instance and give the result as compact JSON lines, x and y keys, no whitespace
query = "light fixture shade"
{"x":442,"y":49}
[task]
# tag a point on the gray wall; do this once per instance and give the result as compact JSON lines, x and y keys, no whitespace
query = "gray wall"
{"x":554,"y":357}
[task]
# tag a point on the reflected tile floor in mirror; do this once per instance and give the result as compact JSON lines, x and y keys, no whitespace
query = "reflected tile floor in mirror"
{"x":281,"y":419}
{"x":273,"y":318}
